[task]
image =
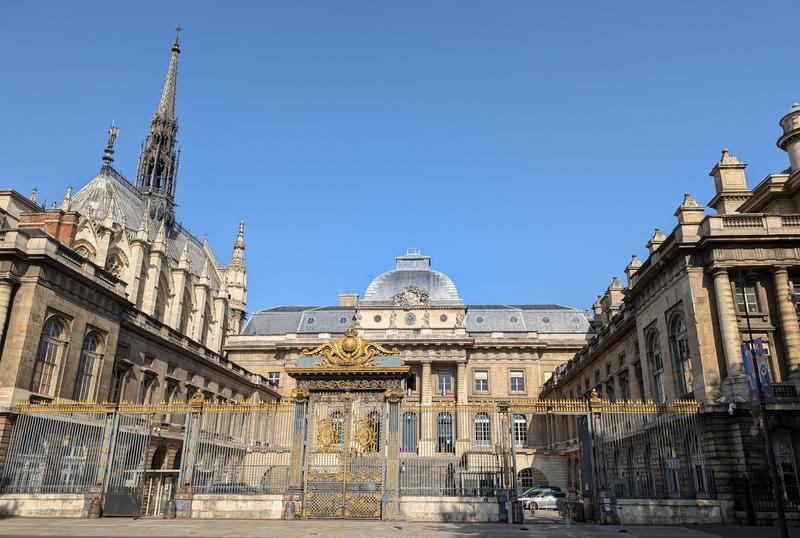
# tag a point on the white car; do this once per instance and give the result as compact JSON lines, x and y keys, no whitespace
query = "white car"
{"x":540,"y":498}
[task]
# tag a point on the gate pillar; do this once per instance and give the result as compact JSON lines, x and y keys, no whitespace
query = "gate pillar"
{"x":293,"y":499}
{"x":191,"y":430}
{"x":391,"y":495}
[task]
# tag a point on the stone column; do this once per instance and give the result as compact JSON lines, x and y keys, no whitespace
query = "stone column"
{"x":463,"y":415}
{"x":391,"y":489}
{"x":729,"y":327}
{"x":790,"y":329}
{"x":294,"y":492}
{"x":426,"y":415}
{"x":5,"y":298}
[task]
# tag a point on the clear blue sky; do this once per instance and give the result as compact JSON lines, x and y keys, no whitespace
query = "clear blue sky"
{"x":528,"y":147}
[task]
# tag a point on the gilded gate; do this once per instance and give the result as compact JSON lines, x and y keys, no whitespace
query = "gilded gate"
{"x":345,"y":454}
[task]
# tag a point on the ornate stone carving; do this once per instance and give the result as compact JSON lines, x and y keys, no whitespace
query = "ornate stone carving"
{"x":350,"y":350}
{"x":300,"y":394}
{"x":411,"y":296}
{"x":394,"y":395}
{"x":460,"y":320}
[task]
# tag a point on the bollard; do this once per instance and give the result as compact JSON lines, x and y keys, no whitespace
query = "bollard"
{"x":95,"y":510}
{"x":170,"y":510}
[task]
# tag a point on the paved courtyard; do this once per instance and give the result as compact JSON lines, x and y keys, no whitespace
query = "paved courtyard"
{"x":336,"y":529}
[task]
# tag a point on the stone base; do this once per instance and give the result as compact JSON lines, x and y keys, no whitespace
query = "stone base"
{"x":667,"y":511}
{"x":219,"y":506}
{"x":45,"y":504}
{"x":476,"y":509}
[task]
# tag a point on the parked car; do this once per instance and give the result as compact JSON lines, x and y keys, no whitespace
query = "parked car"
{"x":527,"y":497}
{"x":543,"y":500}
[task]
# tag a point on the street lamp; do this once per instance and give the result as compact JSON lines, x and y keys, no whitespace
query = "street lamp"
{"x":762,"y":411}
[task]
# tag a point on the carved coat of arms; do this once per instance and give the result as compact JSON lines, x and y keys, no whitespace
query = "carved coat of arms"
{"x":410,"y":296}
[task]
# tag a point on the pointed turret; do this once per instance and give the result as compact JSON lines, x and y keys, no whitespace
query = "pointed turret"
{"x":66,"y":204}
{"x":238,"y":246}
{"x":236,"y":275}
{"x":158,"y":162}
{"x":108,"y":153}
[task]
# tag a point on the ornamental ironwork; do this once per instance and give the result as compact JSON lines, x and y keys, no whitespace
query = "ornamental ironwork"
{"x":349,"y":350}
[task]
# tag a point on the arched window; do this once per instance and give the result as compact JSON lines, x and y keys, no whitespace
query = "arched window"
{"x":483,"y":429}
{"x":520,"y":430}
{"x":444,"y":424}
{"x":91,"y":354}
{"x":337,"y":419}
{"x":680,"y":354}
{"x":656,"y":365}
{"x":409,"y":432}
{"x":205,"y":338}
{"x":525,"y":477}
{"x":160,"y":309}
{"x":186,"y":313}
{"x":48,"y":358}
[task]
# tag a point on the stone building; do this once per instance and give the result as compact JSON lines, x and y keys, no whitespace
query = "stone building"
{"x":457,"y":353}
{"x":105,"y":297}
{"x":675,"y":330}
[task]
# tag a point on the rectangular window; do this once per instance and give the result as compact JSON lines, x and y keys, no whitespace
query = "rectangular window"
{"x":621,"y":359}
{"x":517,"y":381}
{"x":520,"y":430}
{"x":445,"y":382}
{"x":274,"y":378}
{"x":118,"y":378}
{"x":624,"y":386}
{"x":147,"y":389}
{"x":796,"y":295}
{"x":747,"y":295}
{"x":411,"y":382}
{"x":481,"y":381}
{"x":610,"y":392}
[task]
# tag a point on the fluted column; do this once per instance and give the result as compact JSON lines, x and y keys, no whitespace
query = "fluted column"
{"x":790,"y":330}
{"x":728,"y":324}
{"x":5,"y":298}
{"x":464,"y":418}
{"x":426,"y":416}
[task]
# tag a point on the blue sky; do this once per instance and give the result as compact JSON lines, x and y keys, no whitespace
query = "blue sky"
{"x":528,"y":147}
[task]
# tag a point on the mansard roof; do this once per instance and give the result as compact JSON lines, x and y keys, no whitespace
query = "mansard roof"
{"x":129,"y":208}
{"x":544,"y":318}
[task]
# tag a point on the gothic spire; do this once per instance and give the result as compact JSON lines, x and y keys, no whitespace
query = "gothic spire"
{"x":238,"y":246}
{"x":158,"y":162}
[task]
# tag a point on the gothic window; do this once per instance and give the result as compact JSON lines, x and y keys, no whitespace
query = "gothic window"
{"x":91,"y":355}
{"x":48,"y":357}
{"x":656,"y":365}
{"x":520,"y":430}
{"x":186,"y":313}
{"x":160,"y":308}
{"x":680,"y":354}
{"x":444,"y":424}
{"x":483,"y":429}
{"x":114,"y":265}
{"x":409,"y":432}
{"x":204,"y":336}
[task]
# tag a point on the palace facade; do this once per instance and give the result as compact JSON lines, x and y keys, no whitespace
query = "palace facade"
{"x":676,"y":330}
{"x":457,"y":353}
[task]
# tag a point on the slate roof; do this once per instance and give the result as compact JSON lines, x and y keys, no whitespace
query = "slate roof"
{"x":93,"y":200}
{"x":413,"y":269}
{"x":544,"y":319}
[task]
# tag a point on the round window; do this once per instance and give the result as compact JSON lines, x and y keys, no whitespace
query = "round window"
{"x":342,"y":319}
{"x":310,"y":321}
{"x":546,"y":319}
{"x":377,"y":318}
{"x":479,"y":319}
{"x":443,"y":318}
{"x":576,"y":319}
{"x":513,"y":319}
{"x":410,"y":318}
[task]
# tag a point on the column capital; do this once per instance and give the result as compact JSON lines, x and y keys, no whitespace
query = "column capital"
{"x":780,"y":270}
{"x":716,"y":271}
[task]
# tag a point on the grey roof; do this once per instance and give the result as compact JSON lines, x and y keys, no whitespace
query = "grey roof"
{"x":413,"y":269}
{"x":129,"y":207}
{"x":480,"y":319}
{"x":300,"y":320}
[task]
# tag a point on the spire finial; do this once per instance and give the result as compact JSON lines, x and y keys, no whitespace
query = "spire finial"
{"x":34,"y":193}
{"x":108,"y":154}
{"x":67,"y":203}
{"x":240,"y":235}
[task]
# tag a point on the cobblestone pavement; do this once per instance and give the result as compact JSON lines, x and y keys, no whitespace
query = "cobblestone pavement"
{"x":119,"y":527}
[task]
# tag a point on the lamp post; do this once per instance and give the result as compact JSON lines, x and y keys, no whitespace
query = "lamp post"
{"x":762,"y":413}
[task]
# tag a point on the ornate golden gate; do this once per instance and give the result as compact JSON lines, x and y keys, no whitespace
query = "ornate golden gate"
{"x":345,"y":453}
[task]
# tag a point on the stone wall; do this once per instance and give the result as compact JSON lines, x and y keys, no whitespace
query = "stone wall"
{"x":477,"y":509}
{"x":214,"y":506}
{"x":44,"y":504}
{"x":668,"y":511}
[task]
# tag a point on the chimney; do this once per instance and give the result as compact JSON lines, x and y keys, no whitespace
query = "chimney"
{"x":348,"y":299}
{"x":730,"y":184}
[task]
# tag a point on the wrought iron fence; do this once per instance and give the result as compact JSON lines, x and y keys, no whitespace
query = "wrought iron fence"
{"x":754,"y":493}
